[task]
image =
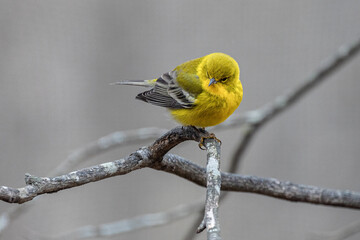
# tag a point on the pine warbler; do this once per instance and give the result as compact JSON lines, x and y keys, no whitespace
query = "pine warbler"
{"x":201,"y":92}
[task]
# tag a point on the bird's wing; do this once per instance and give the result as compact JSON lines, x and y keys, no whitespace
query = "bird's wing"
{"x":167,"y":93}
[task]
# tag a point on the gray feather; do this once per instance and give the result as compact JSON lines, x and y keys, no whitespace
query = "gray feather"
{"x":142,"y":83}
{"x":167,"y":93}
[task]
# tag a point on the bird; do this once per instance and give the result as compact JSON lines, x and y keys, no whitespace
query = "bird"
{"x":202,"y":92}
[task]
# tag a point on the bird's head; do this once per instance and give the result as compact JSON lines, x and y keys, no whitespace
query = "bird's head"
{"x":220,"y":68}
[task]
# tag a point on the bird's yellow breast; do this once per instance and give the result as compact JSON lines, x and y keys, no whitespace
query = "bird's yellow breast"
{"x":212,"y":106}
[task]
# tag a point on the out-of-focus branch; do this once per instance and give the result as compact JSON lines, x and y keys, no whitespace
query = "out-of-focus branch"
{"x":339,"y":234}
{"x":282,"y":102}
{"x":106,"y":143}
{"x":127,"y":225}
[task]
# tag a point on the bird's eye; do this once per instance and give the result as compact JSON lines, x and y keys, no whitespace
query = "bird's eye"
{"x":223,"y":79}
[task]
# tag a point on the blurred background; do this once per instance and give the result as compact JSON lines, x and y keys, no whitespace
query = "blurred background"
{"x":58,"y":58}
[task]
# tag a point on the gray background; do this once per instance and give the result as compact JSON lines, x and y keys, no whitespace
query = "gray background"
{"x":57,"y":58}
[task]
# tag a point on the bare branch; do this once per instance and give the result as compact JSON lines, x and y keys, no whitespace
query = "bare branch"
{"x":179,"y":166}
{"x":213,"y":185}
{"x":265,"y":186}
{"x":183,"y":168}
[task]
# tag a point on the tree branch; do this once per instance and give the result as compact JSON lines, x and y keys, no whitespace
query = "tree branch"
{"x":179,"y":166}
{"x":265,"y":186}
{"x":143,"y":157}
{"x":213,"y":185}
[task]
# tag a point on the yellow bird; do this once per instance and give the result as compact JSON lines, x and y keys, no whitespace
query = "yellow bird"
{"x":201,"y":92}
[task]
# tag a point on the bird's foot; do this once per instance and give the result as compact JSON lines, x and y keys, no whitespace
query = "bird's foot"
{"x":204,"y":135}
{"x":210,"y":135}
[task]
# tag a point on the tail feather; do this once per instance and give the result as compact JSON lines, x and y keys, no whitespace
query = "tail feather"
{"x":142,"y":83}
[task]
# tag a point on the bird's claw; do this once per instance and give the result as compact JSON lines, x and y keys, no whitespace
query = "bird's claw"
{"x":202,"y":139}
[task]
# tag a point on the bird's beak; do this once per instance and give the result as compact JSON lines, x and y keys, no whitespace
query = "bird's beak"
{"x":212,"y":81}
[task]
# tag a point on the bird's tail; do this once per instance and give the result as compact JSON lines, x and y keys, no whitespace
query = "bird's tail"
{"x":143,"y":83}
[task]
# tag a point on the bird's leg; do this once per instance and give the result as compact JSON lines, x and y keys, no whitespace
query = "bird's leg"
{"x":208,"y":135}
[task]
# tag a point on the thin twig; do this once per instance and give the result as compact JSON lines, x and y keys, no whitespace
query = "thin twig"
{"x":339,"y":234}
{"x":127,"y":225}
